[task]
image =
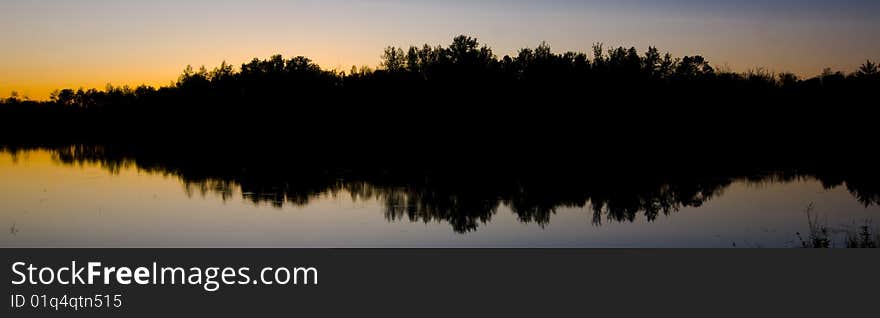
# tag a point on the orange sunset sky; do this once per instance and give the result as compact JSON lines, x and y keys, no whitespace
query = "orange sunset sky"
{"x":52,"y":44}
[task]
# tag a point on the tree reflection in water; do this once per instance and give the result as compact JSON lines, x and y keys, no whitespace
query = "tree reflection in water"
{"x":462,"y":197}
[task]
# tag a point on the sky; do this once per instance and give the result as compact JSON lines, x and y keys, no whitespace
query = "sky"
{"x":51,"y":44}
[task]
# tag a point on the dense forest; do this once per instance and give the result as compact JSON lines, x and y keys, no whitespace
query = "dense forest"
{"x":462,"y":103}
{"x":465,"y":64}
{"x":455,"y":131}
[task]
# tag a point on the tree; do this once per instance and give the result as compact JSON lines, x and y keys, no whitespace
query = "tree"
{"x":412,"y":60}
{"x":667,"y":65}
{"x":222,"y":72}
{"x":143,"y":91}
{"x":598,"y":55}
{"x":787,"y":80}
{"x":65,"y":97}
{"x":651,"y":62}
{"x":466,"y":50}
{"x":868,"y":70}
{"x":394,"y":60}
{"x":274,"y":65}
{"x":301,"y":64}
{"x":693,"y":67}
{"x":523,"y":61}
{"x":543,"y":52}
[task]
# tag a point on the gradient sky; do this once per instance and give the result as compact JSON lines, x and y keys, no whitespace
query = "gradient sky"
{"x":49,"y":44}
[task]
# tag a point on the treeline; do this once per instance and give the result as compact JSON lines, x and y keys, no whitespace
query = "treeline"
{"x":466,"y":65}
{"x":461,"y":103}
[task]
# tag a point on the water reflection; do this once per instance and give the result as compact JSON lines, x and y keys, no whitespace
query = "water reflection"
{"x":461,"y":197}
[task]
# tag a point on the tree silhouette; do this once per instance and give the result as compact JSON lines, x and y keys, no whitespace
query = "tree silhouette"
{"x":868,"y":70}
{"x":394,"y":60}
{"x":466,"y":62}
{"x":451,"y":133}
{"x":452,"y":96}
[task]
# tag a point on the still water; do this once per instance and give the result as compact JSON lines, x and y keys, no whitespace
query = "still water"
{"x":49,"y":202}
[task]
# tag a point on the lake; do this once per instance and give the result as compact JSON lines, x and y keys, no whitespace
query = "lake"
{"x":51,"y":198}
